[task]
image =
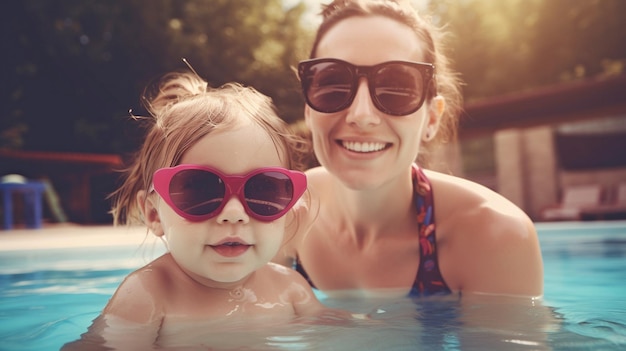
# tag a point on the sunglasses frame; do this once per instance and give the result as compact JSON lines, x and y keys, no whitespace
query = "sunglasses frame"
{"x":233,"y":186}
{"x":427,"y":70}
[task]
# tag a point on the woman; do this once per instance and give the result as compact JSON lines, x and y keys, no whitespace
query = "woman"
{"x":379,"y":94}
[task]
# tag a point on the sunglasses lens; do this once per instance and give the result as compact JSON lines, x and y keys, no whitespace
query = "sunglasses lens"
{"x":328,"y":86}
{"x":398,"y":89}
{"x":268,"y":193}
{"x":196,"y":192}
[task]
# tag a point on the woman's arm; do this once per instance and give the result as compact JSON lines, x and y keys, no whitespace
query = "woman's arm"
{"x":502,"y":254}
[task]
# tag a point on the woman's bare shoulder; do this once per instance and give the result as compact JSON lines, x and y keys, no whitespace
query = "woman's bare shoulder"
{"x":492,"y":242}
{"x":471,"y":214}
{"x":461,"y":196}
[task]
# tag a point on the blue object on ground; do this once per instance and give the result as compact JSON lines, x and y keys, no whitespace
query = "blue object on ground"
{"x":32,"y":192}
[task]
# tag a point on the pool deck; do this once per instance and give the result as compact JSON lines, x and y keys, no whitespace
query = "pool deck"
{"x":67,"y":235}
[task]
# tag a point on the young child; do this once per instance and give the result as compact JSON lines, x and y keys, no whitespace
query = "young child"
{"x":214,"y":180}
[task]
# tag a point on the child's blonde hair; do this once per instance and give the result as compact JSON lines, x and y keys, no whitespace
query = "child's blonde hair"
{"x":184,"y":109}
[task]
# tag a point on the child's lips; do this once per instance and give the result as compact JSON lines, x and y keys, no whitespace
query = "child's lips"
{"x":231,"y":247}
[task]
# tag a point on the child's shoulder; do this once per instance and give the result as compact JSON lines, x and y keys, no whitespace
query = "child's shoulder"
{"x":278,"y":270}
{"x":155,"y":277}
{"x":282,"y":275}
{"x":141,"y":293}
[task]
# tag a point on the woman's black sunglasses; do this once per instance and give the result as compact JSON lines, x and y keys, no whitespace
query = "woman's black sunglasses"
{"x":397,"y":88}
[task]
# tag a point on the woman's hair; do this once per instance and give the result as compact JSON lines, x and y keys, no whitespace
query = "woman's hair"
{"x":447,"y":82}
{"x":184,"y":109}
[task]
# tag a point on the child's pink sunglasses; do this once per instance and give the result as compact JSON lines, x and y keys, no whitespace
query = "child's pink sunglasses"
{"x":197,"y":193}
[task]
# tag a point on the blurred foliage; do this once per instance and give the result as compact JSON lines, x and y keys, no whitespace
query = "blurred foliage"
{"x":74,"y":68}
{"x":513,"y":45}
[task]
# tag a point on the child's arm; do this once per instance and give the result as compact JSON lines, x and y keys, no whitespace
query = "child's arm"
{"x":130,"y":321}
{"x":134,"y":314}
{"x":135,"y":299}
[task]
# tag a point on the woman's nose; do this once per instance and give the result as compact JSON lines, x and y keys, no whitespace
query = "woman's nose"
{"x":233,"y":212}
{"x":362,"y":112}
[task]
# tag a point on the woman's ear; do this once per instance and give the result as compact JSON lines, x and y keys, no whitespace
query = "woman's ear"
{"x":148,"y":209}
{"x":435,"y":111}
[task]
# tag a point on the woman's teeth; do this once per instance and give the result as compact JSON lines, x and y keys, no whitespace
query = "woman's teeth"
{"x":362,"y":147}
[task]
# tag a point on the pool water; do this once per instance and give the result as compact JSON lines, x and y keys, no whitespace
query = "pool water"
{"x":585,"y":282}
{"x":51,"y":297}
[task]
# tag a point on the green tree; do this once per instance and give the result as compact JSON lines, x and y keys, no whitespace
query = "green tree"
{"x":513,"y":45}
{"x":74,"y":68}
{"x":579,"y":39}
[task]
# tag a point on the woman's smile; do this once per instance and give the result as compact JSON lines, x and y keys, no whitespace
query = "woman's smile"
{"x":363,"y":147}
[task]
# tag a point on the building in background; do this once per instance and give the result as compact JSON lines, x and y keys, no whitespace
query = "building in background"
{"x":532,"y":147}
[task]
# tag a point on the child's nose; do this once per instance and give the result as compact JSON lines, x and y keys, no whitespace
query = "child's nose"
{"x":233,"y":212}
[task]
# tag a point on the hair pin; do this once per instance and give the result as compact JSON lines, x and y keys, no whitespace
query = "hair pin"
{"x":190,"y":67}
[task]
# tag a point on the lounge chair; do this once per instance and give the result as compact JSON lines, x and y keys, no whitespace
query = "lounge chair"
{"x":615,"y":209}
{"x":620,"y":199}
{"x":576,"y":200}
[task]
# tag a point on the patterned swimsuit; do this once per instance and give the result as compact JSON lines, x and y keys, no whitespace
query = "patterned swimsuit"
{"x":428,"y":280}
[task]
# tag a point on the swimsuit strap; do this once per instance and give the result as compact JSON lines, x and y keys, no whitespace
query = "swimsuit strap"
{"x":297,"y":265}
{"x":428,"y":280}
